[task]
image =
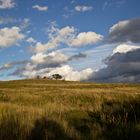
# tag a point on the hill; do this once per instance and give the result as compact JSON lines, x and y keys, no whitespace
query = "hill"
{"x":60,"y":110}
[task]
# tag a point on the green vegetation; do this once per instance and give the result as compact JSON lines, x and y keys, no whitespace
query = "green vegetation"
{"x":60,"y":110}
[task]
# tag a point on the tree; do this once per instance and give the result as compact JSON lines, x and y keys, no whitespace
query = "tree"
{"x":57,"y":76}
{"x":37,"y":77}
{"x":44,"y":77}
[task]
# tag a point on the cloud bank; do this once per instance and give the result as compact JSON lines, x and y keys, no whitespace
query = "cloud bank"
{"x":121,"y":66}
{"x":125,"y":31}
{"x":67,"y":35}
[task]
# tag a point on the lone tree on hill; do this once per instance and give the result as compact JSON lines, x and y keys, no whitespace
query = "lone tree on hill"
{"x":44,"y":77}
{"x":57,"y":76}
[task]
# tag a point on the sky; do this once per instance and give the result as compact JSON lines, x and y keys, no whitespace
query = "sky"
{"x":82,"y":40}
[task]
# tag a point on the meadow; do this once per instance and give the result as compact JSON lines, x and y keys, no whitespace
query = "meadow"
{"x":38,"y":109}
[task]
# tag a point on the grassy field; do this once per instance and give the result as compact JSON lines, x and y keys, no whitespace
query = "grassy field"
{"x":59,"y":110}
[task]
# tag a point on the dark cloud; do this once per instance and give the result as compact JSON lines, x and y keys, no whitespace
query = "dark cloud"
{"x":44,"y":62}
{"x":11,"y":65}
{"x":124,"y":31}
{"x":5,"y":67}
{"x":78,"y":56}
{"x":49,"y":65}
{"x":17,"y":72}
{"x":121,"y":67}
{"x":19,"y":62}
{"x":50,"y":62}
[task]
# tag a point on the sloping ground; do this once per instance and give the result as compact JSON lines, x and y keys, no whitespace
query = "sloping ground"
{"x":60,"y":110}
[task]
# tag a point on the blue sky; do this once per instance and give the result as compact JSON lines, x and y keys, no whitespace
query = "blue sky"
{"x":74,"y":30}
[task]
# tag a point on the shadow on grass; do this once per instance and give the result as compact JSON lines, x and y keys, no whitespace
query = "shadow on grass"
{"x":45,"y":129}
{"x":80,"y":122}
{"x":118,"y":121}
{"x":115,"y":121}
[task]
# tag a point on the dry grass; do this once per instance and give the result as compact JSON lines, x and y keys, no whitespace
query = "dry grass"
{"x":59,"y":110}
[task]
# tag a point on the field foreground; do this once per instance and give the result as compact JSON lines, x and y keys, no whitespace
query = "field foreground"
{"x":59,"y":110}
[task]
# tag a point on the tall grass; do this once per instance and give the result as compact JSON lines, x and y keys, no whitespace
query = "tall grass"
{"x":59,"y":110}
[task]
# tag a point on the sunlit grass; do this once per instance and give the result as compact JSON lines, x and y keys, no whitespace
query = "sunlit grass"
{"x":60,"y":110}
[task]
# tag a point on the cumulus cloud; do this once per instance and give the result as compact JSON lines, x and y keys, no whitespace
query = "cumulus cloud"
{"x":7,"y":4}
{"x":86,"y":38}
{"x":38,"y":58}
{"x":66,"y":71}
{"x":125,"y":31}
{"x":40,"y":47}
{"x":124,"y":63}
{"x":10,"y":36}
{"x":121,"y":66}
{"x":70,"y":37}
{"x":67,"y":35}
{"x":40,"y":8}
{"x":48,"y":64}
{"x":124,"y":48}
{"x":83,"y":8}
{"x":31,"y":40}
{"x":71,"y":75}
{"x":58,"y":36}
{"x":54,"y":58}
{"x":41,"y":61}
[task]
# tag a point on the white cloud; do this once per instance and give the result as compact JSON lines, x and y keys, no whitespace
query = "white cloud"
{"x":40,"y":47}
{"x":51,"y":58}
{"x":31,"y":40}
{"x":83,"y":8}
{"x":70,"y":75}
{"x":68,"y":36}
{"x":10,"y":36}
{"x":25,"y":23}
{"x":28,"y":71}
{"x":40,"y":8}
{"x":124,"y":48}
{"x":7,"y":4}
{"x":66,"y":71}
{"x":63,"y":35}
{"x":38,"y":58}
{"x":86,"y":38}
{"x":43,"y":64}
{"x":56,"y":37}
